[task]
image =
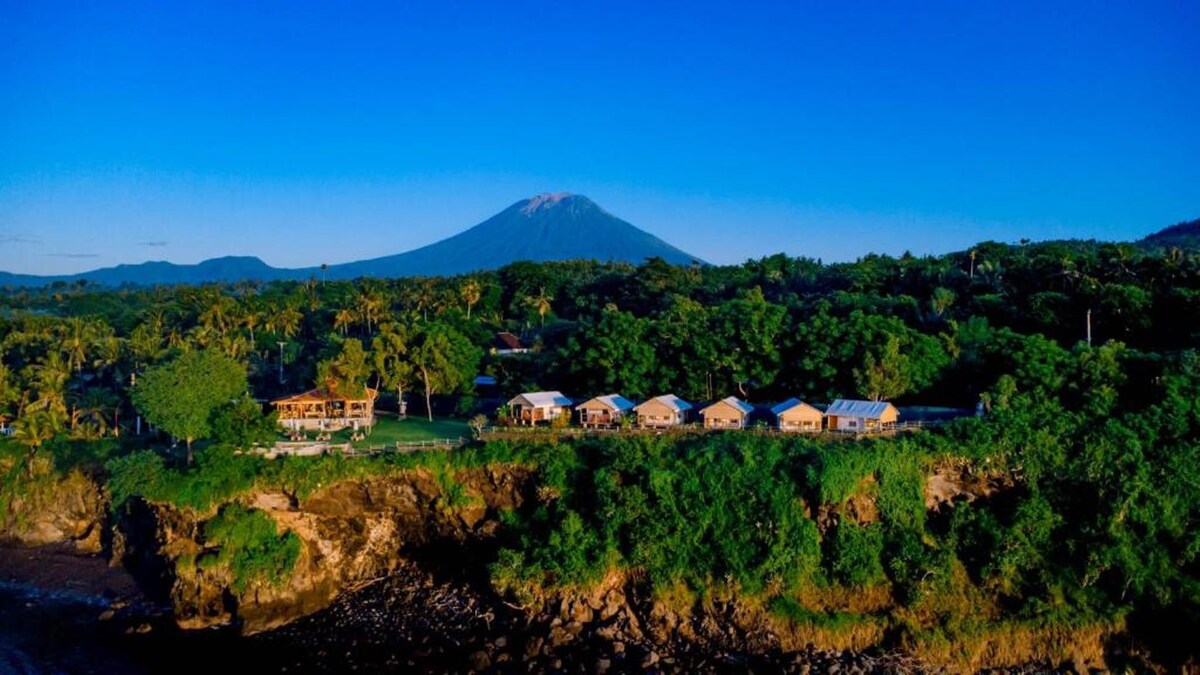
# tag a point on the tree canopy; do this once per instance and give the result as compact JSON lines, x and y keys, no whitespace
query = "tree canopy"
{"x":181,"y":395}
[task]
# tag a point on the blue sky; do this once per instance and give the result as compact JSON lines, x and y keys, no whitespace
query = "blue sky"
{"x":326,"y":132}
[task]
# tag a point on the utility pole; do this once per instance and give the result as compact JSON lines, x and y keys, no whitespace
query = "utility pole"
{"x":281,"y":344}
{"x":1089,"y":327}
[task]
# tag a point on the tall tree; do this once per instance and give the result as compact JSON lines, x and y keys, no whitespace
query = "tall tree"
{"x":444,"y":359}
{"x":390,"y":356}
{"x":347,"y":371}
{"x":884,"y":375}
{"x":470,"y":291}
{"x":541,"y":303}
{"x":34,"y":429}
{"x":180,"y":396}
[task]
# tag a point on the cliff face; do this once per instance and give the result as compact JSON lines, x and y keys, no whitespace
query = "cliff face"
{"x":350,"y":533}
{"x":51,"y":509}
{"x":425,"y":537}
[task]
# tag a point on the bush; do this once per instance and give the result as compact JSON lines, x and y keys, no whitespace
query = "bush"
{"x":857,"y":554}
{"x":141,"y":473}
{"x":251,"y":547}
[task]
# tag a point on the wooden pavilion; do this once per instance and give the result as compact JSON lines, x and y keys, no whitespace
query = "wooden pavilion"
{"x":325,"y":410}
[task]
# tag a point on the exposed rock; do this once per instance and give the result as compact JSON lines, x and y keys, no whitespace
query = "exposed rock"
{"x":55,"y":510}
{"x":961,"y":481}
{"x":351,"y":532}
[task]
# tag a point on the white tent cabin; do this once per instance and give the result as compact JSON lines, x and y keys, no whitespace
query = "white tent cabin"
{"x":663,"y":411}
{"x":729,"y":413}
{"x":796,"y":415}
{"x":603,"y":411}
{"x":861,"y":416}
{"x":538,"y":406}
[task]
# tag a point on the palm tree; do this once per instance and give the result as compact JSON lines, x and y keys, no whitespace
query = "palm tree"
{"x":219,"y":313}
{"x":33,"y":430}
{"x":541,"y":303}
{"x":286,"y":321}
{"x":369,"y":303}
{"x":342,"y":319}
{"x":50,"y":384}
{"x":471,"y":291}
{"x":90,"y":419}
{"x":75,"y":343}
{"x":251,"y":318}
{"x":107,"y":353}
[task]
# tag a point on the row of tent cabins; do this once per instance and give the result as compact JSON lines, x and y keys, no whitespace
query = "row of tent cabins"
{"x":667,"y":411}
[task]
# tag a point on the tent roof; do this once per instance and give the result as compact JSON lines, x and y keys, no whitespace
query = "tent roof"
{"x":541,"y":399}
{"x":789,"y":404}
{"x":614,"y":402}
{"x":671,"y":401}
{"x":736,"y":403}
{"x":854,"y":408}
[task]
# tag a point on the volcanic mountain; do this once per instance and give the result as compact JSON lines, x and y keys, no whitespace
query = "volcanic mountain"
{"x":546,"y":227}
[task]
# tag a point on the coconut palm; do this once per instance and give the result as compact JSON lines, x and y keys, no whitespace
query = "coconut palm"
{"x":541,"y":304}
{"x":369,"y":304}
{"x":50,"y":378}
{"x":34,"y":429}
{"x":219,"y":313}
{"x":342,"y":319}
{"x":286,"y":321}
{"x":470,"y":291}
{"x":91,"y":413}
{"x":251,"y":318}
{"x":75,"y":342}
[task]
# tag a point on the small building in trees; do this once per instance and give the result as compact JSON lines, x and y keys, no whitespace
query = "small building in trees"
{"x":729,"y":413}
{"x":663,"y":411}
{"x":861,"y":416}
{"x":538,"y":406}
{"x":326,"y":410}
{"x":506,"y":343}
{"x":796,"y":415}
{"x":603,"y":411}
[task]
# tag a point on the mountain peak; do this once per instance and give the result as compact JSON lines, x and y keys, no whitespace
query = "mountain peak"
{"x":549,"y":226}
{"x":545,"y":200}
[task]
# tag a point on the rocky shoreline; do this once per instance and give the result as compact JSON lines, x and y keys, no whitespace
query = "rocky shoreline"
{"x":412,"y":622}
{"x":61,"y":612}
{"x":389,"y":579}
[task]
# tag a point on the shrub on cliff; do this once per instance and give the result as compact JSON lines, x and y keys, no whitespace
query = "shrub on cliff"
{"x":250,"y":546}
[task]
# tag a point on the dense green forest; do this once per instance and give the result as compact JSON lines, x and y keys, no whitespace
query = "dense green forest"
{"x":1093,"y":449}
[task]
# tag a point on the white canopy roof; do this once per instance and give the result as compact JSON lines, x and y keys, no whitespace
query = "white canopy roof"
{"x":614,"y":402}
{"x":852,"y":408}
{"x":541,"y":399}
{"x":671,"y":401}
{"x":736,"y":403}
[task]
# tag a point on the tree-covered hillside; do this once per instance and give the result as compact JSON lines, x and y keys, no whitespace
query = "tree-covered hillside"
{"x":1071,"y":504}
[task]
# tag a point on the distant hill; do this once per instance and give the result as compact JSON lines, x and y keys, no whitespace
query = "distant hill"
{"x":158,"y":272}
{"x":545,"y":227}
{"x":1183,"y":236}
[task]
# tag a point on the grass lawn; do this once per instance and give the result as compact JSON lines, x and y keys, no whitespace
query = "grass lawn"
{"x":388,"y":430}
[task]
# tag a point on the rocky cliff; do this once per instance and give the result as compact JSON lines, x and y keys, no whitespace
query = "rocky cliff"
{"x":391,"y":571}
{"x":351,"y":532}
{"x":52,"y":509}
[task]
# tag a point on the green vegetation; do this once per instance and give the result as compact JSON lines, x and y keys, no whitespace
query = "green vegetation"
{"x":181,"y":396}
{"x":250,"y":547}
{"x":1074,"y":499}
